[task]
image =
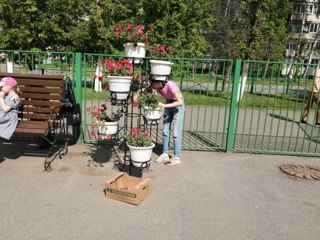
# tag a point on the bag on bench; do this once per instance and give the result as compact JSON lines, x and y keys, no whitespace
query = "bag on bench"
{"x":73,"y":109}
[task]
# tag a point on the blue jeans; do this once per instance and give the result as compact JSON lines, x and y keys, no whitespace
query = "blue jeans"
{"x":173,"y":120}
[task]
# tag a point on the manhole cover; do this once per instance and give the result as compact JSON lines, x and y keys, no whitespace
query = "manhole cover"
{"x":311,"y":173}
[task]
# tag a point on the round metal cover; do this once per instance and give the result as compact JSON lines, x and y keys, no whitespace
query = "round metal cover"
{"x":300,"y":171}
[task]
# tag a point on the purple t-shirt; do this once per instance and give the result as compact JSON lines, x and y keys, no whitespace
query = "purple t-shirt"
{"x":169,"y":90}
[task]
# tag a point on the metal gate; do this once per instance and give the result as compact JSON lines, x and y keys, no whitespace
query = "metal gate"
{"x":271,"y":99}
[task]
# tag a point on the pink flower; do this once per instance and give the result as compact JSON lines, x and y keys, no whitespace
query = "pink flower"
{"x":139,"y":28}
{"x":133,"y":33}
{"x":118,"y":30}
{"x":92,"y":134}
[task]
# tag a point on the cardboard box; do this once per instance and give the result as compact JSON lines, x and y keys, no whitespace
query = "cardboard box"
{"x":126,"y":188}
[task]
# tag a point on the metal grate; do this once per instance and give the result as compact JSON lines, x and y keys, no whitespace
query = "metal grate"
{"x":300,"y":171}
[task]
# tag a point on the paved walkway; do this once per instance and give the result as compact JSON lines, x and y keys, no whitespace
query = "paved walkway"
{"x":210,"y":195}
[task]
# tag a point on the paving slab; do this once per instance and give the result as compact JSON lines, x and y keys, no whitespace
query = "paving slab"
{"x":211,"y":195}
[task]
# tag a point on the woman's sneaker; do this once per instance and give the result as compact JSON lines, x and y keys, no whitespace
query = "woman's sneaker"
{"x":173,"y":161}
{"x":162,"y":158}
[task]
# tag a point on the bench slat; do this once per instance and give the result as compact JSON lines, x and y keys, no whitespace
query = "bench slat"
{"x":41,"y":96}
{"x":47,"y":83}
{"x":28,"y":132}
{"x":32,"y":76}
{"x":38,"y":103}
{"x":41,"y":90}
{"x":38,"y":116}
{"x":33,"y":124}
{"x":36,"y":109}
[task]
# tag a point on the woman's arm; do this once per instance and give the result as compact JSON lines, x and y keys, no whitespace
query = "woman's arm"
{"x":178,"y":102}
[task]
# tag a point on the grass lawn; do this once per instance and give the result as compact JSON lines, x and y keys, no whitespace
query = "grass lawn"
{"x":223,"y":99}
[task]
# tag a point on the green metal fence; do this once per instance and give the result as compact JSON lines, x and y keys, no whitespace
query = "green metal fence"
{"x":269,"y":111}
{"x":231,"y":105}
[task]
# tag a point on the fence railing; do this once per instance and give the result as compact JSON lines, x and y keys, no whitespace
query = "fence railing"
{"x":232,"y":105}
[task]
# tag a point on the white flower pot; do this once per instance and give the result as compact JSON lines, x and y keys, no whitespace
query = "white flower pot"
{"x":152,"y":114}
{"x":140,"y":155}
{"x":137,"y":52}
{"x":159,"y":67}
{"x":120,"y":85}
{"x":107,"y":128}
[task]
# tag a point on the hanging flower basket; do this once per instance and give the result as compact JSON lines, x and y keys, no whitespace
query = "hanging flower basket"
{"x":160,"y":68}
{"x":140,"y":155}
{"x":137,"y":52}
{"x":119,"y":86}
{"x":151,"y":114}
{"x":107,"y":128}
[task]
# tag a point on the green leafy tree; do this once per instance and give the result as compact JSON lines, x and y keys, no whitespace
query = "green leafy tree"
{"x":250,"y":29}
{"x":179,"y":23}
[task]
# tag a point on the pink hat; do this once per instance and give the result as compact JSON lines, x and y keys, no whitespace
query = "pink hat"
{"x":8,"y":81}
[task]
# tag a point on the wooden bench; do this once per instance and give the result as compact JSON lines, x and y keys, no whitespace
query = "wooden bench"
{"x":42,"y":110}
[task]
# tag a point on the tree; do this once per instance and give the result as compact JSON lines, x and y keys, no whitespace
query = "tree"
{"x":250,"y":29}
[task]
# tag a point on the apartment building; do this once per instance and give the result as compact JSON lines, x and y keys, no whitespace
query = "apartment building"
{"x":304,"y":27}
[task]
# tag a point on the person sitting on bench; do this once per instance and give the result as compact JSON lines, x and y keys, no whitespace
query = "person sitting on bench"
{"x":9,"y":106}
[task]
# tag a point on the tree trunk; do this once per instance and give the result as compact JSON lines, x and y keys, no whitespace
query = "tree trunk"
{"x":226,"y":78}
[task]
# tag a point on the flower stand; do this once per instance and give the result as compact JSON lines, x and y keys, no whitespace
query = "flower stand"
{"x":137,"y":53}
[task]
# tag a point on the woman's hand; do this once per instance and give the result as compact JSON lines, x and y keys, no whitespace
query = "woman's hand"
{"x":1,"y":94}
{"x":161,"y":105}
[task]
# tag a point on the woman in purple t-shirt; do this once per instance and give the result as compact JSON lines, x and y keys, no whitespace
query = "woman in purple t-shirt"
{"x":172,"y":118}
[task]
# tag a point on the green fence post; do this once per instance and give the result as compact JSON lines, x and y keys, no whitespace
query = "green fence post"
{"x":233,"y":105}
{"x":77,"y":133}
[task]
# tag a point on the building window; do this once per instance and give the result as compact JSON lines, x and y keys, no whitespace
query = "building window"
{"x":311,"y":27}
{"x":295,"y":28}
{"x":292,"y":46}
{"x":298,"y":8}
{"x":304,"y":8}
{"x":309,"y":9}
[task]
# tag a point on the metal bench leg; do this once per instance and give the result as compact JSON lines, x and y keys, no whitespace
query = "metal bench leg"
{"x":47,"y":161}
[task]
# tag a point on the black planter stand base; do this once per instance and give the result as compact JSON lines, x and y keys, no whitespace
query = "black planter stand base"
{"x":128,"y":167}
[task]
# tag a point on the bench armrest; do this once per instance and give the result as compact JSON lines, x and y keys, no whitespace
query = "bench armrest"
{"x":56,"y":109}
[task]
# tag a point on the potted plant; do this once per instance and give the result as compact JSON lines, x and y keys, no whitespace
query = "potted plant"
{"x":120,"y":75}
{"x":140,"y":146}
{"x":161,"y":63}
{"x":135,"y":38}
{"x":104,"y":124}
{"x":150,"y":104}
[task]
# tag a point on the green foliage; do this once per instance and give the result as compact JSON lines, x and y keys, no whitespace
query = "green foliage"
{"x":251,"y":29}
{"x":137,"y":138}
{"x":147,"y":100}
